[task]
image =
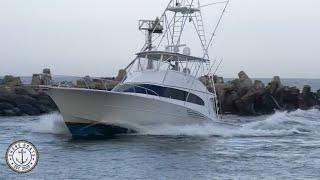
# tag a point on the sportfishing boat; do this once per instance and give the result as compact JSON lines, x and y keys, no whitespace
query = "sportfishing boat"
{"x":161,"y":87}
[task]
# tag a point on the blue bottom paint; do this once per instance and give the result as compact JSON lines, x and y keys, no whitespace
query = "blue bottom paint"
{"x":96,"y":131}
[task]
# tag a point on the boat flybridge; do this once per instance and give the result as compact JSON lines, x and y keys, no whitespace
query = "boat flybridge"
{"x":161,"y":87}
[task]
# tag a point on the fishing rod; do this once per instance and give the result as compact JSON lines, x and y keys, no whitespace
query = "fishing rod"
{"x":218,"y":23}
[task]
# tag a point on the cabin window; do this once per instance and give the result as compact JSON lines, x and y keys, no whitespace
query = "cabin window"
{"x":161,"y":91}
{"x":176,"y":94}
{"x":140,"y":90}
{"x":124,"y":88}
{"x":194,"y":99}
{"x":153,"y":90}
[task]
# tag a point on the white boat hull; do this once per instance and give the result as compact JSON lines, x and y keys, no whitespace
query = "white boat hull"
{"x":84,"y":108}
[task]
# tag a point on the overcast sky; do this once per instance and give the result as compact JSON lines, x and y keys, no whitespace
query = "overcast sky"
{"x":97,"y":37}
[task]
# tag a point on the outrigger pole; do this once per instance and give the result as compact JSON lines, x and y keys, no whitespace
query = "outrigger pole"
{"x":218,"y":23}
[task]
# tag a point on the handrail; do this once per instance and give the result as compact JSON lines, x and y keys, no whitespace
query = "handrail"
{"x":215,"y":97}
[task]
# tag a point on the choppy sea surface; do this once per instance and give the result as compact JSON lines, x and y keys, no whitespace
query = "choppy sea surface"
{"x":279,"y":146}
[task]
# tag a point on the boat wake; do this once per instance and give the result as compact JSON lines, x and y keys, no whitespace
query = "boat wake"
{"x":279,"y":124}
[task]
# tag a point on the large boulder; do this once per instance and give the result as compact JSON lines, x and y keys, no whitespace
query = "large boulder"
{"x":46,"y":71}
{"x":88,"y":82}
{"x":228,"y":106}
{"x":244,"y":79}
{"x":99,"y":84}
{"x":274,"y":85}
{"x":17,"y":111}
{"x":245,"y":108}
{"x":288,"y":97}
{"x":222,"y":89}
{"x":227,"y":97}
{"x":8,"y":97}
{"x":44,"y":99}
{"x":218,"y":79}
{"x":6,"y":90}
{"x":121,"y":74}
{"x":85,"y":82}
{"x":66,"y":84}
{"x":307,"y":99}
{"x":11,"y":81}
{"x":8,"y":112}
{"x":6,"y":105}
{"x":239,"y":95}
{"x":258,"y":85}
{"x":23,"y":99}
{"x":29,"y":109}
{"x":243,"y":84}
{"x":110,"y":84}
{"x":266,"y":104}
{"x":81,"y":83}
{"x":246,"y":104}
{"x":205,"y":81}
{"x":43,"y":78}
{"x":46,"y":79}
{"x":36,"y":80}
{"x":306,"y":89}
{"x":20,"y":90}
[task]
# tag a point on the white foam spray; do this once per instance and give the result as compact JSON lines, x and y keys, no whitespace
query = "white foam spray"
{"x":49,"y":123}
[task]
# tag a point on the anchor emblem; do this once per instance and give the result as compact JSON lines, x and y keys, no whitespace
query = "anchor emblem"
{"x":22,"y":160}
{"x":22,"y":156}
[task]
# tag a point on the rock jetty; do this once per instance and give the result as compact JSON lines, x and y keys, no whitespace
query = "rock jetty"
{"x":241,"y":96}
{"x":106,"y":83}
{"x":244,"y":96}
{"x":43,"y":78}
{"x":22,"y":101}
{"x":19,"y":100}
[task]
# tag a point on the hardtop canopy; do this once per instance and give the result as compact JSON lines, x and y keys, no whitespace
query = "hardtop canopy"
{"x":169,"y":56}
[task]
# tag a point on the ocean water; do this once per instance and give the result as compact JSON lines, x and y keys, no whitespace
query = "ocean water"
{"x":279,"y":146}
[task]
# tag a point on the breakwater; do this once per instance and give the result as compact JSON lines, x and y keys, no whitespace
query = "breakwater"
{"x":241,"y":96}
{"x":244,"y":96}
